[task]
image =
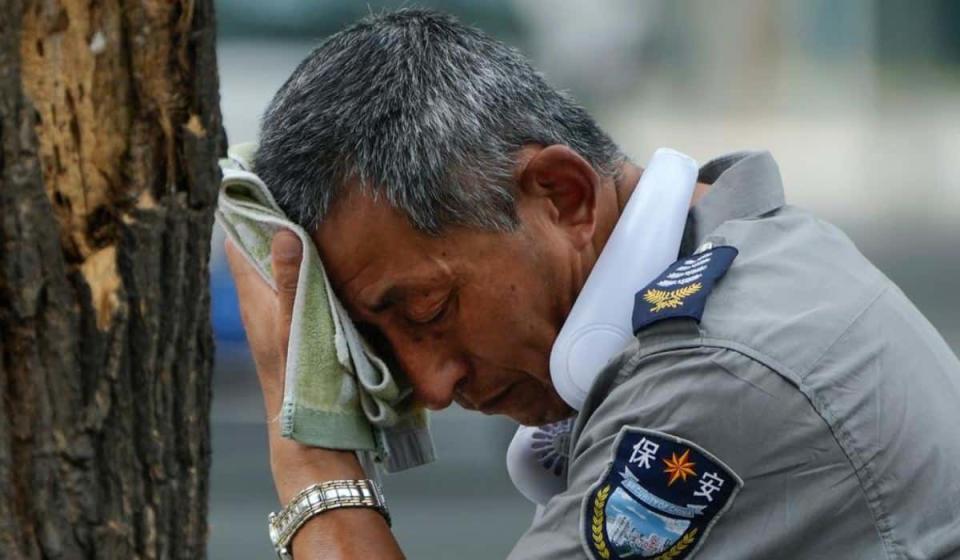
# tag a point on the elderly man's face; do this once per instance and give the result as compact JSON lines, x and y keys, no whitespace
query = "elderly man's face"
{"x":468,"y":316}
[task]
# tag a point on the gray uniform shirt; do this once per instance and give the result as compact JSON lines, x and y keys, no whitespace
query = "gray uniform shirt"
{"x":810,"y":376}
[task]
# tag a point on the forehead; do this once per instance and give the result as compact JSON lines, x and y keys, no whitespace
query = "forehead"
{"x":363,"y":241}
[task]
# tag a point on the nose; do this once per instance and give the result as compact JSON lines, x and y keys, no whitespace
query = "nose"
{"x":434,"y":373}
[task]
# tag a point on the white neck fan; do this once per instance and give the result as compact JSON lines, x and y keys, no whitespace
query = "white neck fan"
{"x":645,"y":240}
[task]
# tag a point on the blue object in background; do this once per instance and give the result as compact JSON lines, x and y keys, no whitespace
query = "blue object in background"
{"x":224,"y":310}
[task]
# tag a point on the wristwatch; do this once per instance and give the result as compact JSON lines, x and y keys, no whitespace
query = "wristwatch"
{"x":318,"y":498}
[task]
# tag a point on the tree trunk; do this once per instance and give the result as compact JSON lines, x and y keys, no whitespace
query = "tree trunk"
{"x":108,"y":144}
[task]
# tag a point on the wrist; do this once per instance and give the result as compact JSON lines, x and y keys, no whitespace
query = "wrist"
{"x":321,"y":512}
{"x":296,"y":466}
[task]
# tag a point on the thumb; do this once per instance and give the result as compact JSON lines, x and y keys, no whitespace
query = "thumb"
{"x":286,"y":251}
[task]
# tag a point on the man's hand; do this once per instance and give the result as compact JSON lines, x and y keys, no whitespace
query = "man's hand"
{"x":267,"y":316}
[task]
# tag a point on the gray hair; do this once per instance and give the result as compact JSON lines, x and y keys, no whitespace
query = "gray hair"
{"x":423,"y":110}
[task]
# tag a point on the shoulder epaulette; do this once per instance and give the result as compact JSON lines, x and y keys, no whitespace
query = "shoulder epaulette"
{"x":682,"y":289}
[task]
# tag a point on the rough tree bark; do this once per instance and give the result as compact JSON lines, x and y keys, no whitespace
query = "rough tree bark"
{"x":108,"y":143}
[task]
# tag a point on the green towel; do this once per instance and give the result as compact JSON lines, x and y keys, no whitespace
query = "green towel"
{"x":338,"y":394}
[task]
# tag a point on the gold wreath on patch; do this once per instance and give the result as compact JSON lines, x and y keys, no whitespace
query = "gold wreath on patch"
{"x":669,"y":299}
{"x":597,"y":526}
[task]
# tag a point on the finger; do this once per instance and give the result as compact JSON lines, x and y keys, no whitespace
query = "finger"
{"x":286,"y":252}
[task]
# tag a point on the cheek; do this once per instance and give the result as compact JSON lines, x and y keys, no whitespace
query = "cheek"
{"x":507,"y":323}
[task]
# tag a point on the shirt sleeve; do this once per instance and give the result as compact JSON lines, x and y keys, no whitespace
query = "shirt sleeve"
{"x":739,"y":413}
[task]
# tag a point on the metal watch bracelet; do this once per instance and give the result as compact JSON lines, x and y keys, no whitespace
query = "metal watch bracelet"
{"x":318,"y":498}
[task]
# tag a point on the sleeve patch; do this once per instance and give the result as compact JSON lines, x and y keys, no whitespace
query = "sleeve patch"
{"x":659,"y":498}
{"x":682,"y":289}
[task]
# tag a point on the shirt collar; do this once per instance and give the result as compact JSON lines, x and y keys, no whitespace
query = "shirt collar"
{"x":744,"y":185}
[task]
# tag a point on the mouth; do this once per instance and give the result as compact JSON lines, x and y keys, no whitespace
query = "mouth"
{"x":490,"y":405}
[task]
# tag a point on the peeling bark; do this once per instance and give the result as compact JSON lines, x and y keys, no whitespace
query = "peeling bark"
{"x":108,"y":143}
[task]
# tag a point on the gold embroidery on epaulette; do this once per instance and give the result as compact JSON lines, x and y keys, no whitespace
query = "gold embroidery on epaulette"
{"x":669,"y":299}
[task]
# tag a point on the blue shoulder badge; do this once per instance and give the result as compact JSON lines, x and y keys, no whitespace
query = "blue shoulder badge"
{"x":682,"y":289}
{"x":659,"y":498}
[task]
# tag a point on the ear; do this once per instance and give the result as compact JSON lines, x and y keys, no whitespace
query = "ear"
{"x":566,"y":186}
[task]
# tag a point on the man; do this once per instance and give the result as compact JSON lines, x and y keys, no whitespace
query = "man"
{"x":803,"y":409}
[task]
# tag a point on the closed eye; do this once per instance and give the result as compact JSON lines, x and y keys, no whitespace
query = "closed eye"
{"x":434,"y":314}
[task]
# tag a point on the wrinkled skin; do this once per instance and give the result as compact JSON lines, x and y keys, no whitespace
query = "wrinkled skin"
{"x":471,"y":315}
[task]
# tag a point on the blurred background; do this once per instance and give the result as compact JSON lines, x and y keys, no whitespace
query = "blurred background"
{"x":859,"y":102}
